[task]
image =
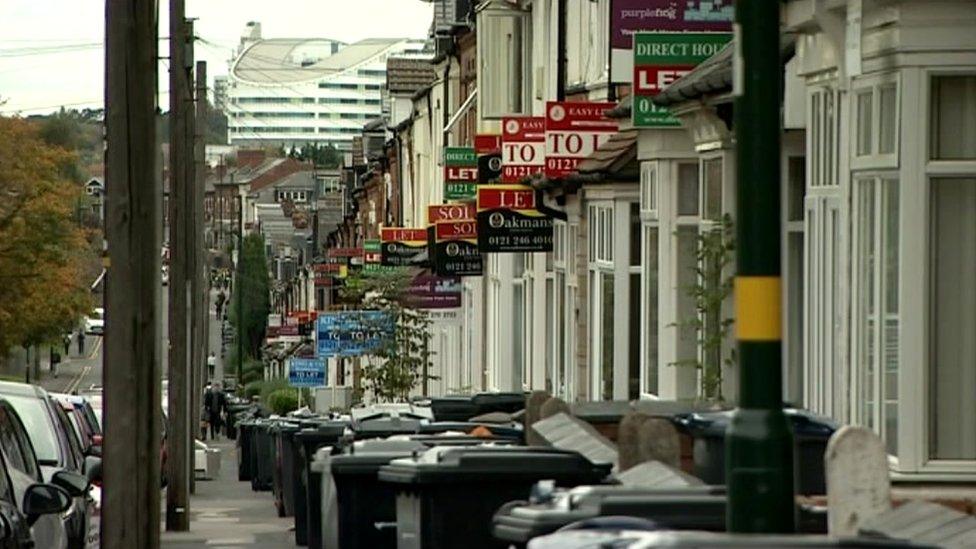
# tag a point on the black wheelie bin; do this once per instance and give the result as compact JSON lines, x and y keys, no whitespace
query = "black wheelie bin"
{"x":446,"y":496}
{"x":308,"y":492}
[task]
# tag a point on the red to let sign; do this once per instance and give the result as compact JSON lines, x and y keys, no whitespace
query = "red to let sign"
{"x":511,"y":197}
{"x":523,"y":147}
{"x":460,"y":173}
{"x":486,"y":143}
{"x":573,"y":131}
{"x":396,"y":234}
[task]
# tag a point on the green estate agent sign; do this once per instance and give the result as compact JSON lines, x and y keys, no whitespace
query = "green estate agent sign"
{"x":460,"y":173}
{"x":660,"y":58}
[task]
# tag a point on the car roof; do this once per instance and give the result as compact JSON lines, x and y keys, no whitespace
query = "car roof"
{"x":65,"y":397}
{"x":21,"y":389}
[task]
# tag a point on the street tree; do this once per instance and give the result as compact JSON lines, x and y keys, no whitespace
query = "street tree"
{"x":253,"y":287}
{"x":402,"y":360}
{"x":42,"y":250}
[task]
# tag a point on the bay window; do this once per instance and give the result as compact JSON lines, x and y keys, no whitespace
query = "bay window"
{"x":951,"y":352}
{"x":650,"y":276}
{"x":601,"y":271}
{"x":876,"y":326}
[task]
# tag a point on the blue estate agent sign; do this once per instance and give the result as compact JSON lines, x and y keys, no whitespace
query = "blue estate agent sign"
{"x":350,"y":333}
{"x":306,"y":372}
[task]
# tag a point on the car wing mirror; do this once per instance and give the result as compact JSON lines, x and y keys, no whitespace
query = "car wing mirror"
{"x":74,"y":484}
{"x":93,"y":469}
{"x":45,"y":499}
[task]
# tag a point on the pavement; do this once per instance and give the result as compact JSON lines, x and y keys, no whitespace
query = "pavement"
{"x":226,"y":514}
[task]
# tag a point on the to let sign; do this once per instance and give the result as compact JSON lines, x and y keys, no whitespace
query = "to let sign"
{"x":573,"y":131}
{"x":351,"y":333}
{"x":523,"y":147}
{"x":460,"y":173}
{"x":660,"y":58}
{"x":403,"y":247}
{"x":306,"y":372}
{"x":509,"y":221}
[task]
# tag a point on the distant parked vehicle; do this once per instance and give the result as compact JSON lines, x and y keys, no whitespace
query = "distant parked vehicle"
{"x":95,"y":322}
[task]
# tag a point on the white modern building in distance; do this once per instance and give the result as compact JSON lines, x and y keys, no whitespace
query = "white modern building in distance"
{"x":294,"y":91}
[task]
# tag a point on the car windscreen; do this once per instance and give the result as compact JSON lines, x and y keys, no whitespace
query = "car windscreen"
{"x":38,"y":424}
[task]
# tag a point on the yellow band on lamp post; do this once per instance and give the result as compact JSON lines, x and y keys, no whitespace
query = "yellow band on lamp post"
{"x":758,"y":314}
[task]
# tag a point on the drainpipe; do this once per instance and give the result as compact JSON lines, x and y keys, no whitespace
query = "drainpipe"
{"x":447,"y":96}
{"x":561,"y":52}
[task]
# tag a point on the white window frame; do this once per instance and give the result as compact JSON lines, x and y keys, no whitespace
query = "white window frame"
{"x":877,"y":419}
{"x":914,"y":382}
{"x":824,"y":130}
{"x":794,"y":316}
{"x":600,"y":216}
{"x":649,"y":200}
{"x":874,"y":159}
{"x":491,"y":92}
{"x":557,"y":312}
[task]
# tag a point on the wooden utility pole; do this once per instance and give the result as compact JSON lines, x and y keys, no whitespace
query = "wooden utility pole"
{"x":200,"y":293}
{"x":180,"y":154}
{"x":192,"y":255}
{"x":130,"y":496}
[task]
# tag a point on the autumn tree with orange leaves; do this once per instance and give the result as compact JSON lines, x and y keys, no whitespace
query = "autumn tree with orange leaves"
{"x":43,"y":253}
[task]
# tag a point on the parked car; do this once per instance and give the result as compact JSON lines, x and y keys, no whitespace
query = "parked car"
{"x":95,"y":322}
{"x":92,"y":462}
{"x":83,"y":421}
{"x":61,"y":462}
{"x":30,"y":508}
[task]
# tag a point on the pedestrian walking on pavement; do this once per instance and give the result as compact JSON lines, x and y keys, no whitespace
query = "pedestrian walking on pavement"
{"x":213,"y":403}
{"x":211,"y":364}
{"x":67,"y":345}
{"x":221,"y":298}
{"x":81,"y":342}
{"x":208,"y":406}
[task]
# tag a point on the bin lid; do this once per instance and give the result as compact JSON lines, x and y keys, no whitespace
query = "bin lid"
{"x":489,"y":463}
{"x":500,"y":431}
{"x":804,"y":422}
{"x":520,"y":521}
{"x":634,"y":539}
{"x":366,"y":456}
{"x":454,"y":439}
{"x":402,"y":410}
{"x":487,"y":398}
{"x":601,"y":411}
{"x":385,"y":426}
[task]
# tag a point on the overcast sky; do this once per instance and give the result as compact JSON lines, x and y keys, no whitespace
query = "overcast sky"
{"x":74,"y":29}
